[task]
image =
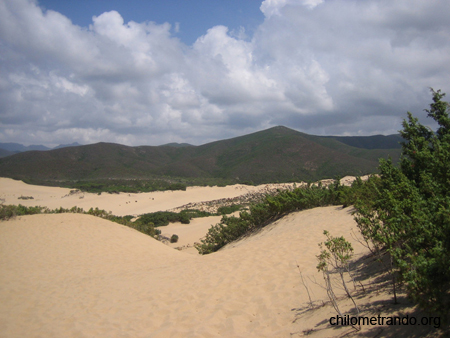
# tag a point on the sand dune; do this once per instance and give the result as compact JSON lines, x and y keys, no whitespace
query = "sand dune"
{"x":73,"y":275}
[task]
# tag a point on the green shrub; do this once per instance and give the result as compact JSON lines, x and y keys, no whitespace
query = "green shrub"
{"x":7,"y":211}
{"x":228,"y":209}
{"x":147,"y":229}
{"x":174,"y":238}
{"x":163,"y":218}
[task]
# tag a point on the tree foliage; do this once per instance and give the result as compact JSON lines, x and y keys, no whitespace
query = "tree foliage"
{"x":409,"y":212}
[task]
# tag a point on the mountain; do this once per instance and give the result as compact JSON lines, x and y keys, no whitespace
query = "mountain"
{"x":177,"y":145}
{"x":4,"y":153}
{"x":371,"y":142}
{"x":7,"y":149}
{"x":276,"y":154}
{"x":74,"y":144}
{"x":16,"y":147}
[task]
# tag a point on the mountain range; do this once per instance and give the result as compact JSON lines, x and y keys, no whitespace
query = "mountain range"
{"x":10,"y":148}
{"x":278,"y":154}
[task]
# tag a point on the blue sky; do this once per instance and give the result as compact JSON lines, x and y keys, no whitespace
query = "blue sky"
{"x":153,"y":72}
{"x":194,"y":17}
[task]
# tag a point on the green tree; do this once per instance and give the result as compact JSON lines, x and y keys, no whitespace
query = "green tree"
{"x":409,"y":215}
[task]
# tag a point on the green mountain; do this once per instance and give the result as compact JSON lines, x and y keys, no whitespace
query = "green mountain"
{"x":371,"y":142}
{"x":4,"y":153}
{"x":276,"y":154}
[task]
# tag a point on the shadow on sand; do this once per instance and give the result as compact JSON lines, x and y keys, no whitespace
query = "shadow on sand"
{"x":375,"y":299}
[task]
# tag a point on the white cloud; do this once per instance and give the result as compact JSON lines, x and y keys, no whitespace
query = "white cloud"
{"x":273,"y":7}
{"x":326,"y":67}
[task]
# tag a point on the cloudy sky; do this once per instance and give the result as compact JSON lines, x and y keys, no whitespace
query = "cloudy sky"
{"x":150,"y":72}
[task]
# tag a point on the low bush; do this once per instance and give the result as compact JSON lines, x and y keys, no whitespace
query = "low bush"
{"x":10,"y":211}
{"x":228,"y":209}
{"x":163,"y":218}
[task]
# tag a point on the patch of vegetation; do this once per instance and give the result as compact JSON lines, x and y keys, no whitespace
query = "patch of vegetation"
{"x":25,"y":198}
{"x":335,"y":256}
{"x":174,"y":238}
{"x":10,"y":211}
{"x":228,"y":209}
{"x":114,"y":186}
{"x":163,"y":218}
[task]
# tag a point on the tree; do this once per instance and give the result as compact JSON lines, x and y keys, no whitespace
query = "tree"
{"x":409,"y":215}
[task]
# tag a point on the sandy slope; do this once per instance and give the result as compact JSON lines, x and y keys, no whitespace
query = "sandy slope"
{"x":79,"y":276}
{"x":71,"y":275}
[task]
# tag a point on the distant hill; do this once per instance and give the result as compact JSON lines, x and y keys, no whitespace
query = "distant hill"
{"x":4,"y":153}
{"x":371,"y":142}
{"x":17,"y":147}
{"x":13,"y":148}
{"x":74,"y":144}
{"x":276,"y":154}
{"x":177,"y":145}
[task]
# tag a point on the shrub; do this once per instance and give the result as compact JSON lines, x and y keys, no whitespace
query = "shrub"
{"x":163,"y":218}
{"x":228,"y":209}
{"x":174,"y":238}
{"x":336,"y":253}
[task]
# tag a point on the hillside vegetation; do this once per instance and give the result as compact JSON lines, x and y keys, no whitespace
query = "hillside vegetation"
{"x":277,"y":154}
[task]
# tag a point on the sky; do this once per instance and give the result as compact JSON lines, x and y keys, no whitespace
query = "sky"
{"x":151,"y":72}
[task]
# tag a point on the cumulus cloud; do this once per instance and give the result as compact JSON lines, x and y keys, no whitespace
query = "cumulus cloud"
{"x":323,"y":67}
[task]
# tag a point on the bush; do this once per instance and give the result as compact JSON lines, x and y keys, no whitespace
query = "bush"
{"x":163,"y":218}
{"x":228,"y":209}
{"x":10,"y":211}
{"x":174,"y":239}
